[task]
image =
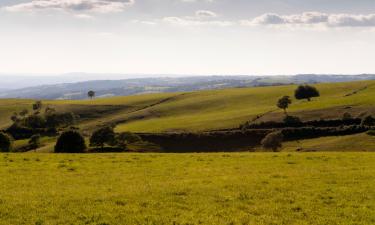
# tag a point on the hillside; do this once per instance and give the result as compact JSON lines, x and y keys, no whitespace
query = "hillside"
{"x":208,"y":110}
{"x":70,"y":88}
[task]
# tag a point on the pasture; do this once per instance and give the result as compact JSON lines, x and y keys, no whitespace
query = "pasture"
{"x":221,"y":188}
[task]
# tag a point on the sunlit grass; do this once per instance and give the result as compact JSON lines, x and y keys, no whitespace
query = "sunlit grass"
{"x":242,"y":188}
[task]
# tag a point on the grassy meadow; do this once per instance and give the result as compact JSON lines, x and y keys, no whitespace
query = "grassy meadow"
{"x":236,"y":188}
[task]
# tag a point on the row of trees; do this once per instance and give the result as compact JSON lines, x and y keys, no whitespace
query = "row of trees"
{"x":72,"y":141}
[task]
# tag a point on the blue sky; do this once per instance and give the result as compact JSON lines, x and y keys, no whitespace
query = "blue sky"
{"x":187,"y":36}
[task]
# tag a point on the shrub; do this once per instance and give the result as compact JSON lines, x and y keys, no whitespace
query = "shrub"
{"x":103,"y":136}
{"x":60,"y":119}
{"x":5,"y":142}
{"x":371,"y":132}
{"x":368,"y":121}
{"x":273,"y":141}
{"x":35,"y":121}
{"x":70,"y":142}
{"x":125,"y":138}
{"x":292,"y":121}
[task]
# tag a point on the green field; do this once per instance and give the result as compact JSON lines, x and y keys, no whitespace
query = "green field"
{"x":240,"y":188}
{"x":208,"y":110}
{"x":349,"y":143}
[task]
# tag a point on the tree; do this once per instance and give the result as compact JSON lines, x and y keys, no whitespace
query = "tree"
{"x":368,"y":121}
{"x":14,"y":117}
{"x":34,"y":141}
{"x":306,"y":92}
{"x":91,"y":94}
{"x":125,"y":138}
{"x":283,"y":103}
{"x":5,"y":142}
{"x":70,"y":142}
{"x":24,"y":112}
{"x":273,"y":141}
{"x":37,"y":106}
{"x":35,"y":121}
{"x":103,"y":136}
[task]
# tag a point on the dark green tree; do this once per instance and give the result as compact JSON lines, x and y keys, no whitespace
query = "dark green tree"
{"x":306,"y":92}
{"x":5,"y":142}
{"x":70,"y":142}
{"x":103,"y":136}
{"x":283,"y":103}
{"x":91,"y":94}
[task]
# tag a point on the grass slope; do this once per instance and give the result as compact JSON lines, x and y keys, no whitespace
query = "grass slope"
{"x":243,"y":188}
{"x":208,"y":110}
{"x":358,"y":142}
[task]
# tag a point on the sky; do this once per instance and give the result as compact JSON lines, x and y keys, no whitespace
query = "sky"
{"x":203,"y":37}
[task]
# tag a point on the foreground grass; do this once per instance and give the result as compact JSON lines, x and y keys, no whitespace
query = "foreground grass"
{"x":305,"y":188}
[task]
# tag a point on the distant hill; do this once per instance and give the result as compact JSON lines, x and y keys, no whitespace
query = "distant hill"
{"x":134,"y":86}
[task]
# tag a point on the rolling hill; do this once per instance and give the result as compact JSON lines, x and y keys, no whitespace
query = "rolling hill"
{"x":207,"y":110}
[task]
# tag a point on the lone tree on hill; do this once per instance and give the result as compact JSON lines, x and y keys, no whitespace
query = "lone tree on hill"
{"x":273,"y":141}
{"x":91,"y":94}
{"x":283,"y":103}
{"x":103,"y":136}
{"x":306,"y":92}
{"x":5,"y":142}
{"x":70,"y":142}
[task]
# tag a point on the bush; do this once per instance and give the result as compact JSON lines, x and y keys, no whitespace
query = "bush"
{"x":103,"y":136}
{"x":125,"y":138}
{"x":273,"y":141}
{"x":5,"y":142}
{"x":292,"y":121}
{"x":60,"y":119}
{"x":35,"y":121}
{"x":70,"y":142}
{"x":368,"y":121}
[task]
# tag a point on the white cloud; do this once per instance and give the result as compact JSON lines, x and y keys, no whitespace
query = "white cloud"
{"x":201,"y":18}
{"x":193,"y":22}
{"x":100,"y":6}
{"x":205,"y":14}
{"x":314,"y":18}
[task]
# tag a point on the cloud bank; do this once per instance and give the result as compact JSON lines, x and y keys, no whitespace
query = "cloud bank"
{"x":314,"y":18}
{"x":100,"y":6}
